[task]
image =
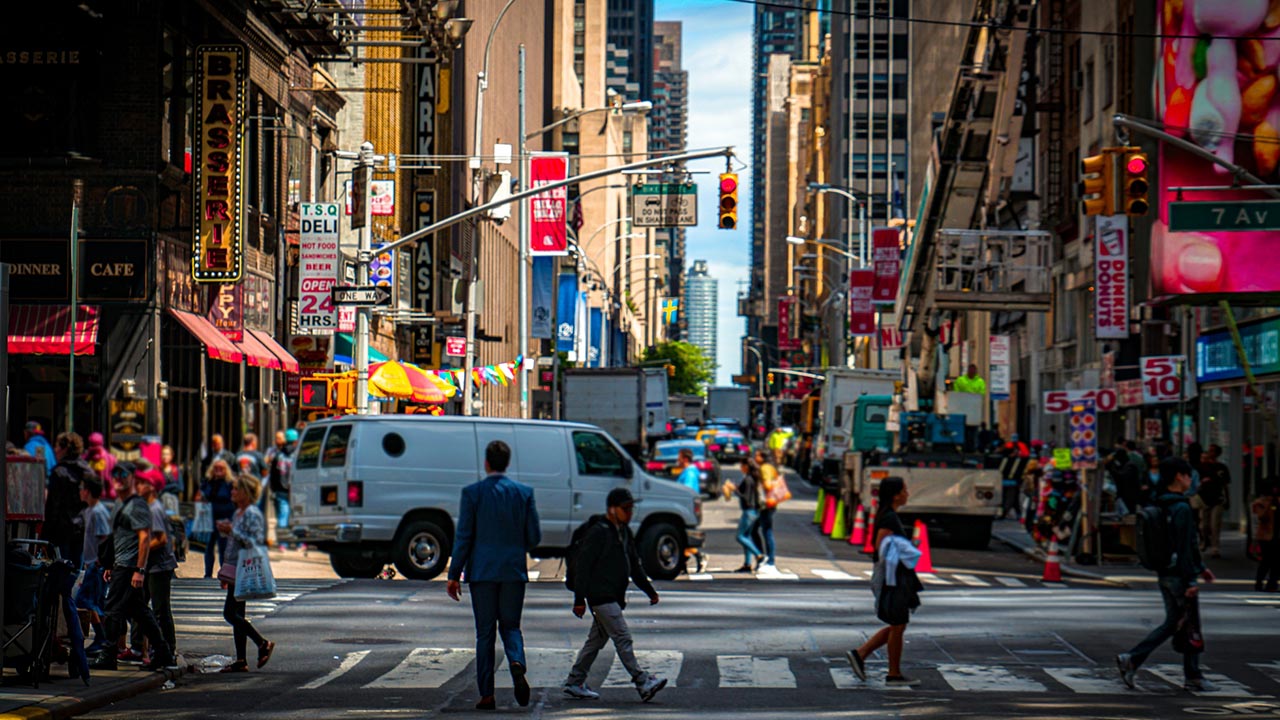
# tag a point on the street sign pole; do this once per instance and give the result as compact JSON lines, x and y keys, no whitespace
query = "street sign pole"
{"x":363,"y":313}
{"x":522,"y":231}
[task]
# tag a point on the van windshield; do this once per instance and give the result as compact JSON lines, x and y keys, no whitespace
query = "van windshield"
{"x":309,"y":448}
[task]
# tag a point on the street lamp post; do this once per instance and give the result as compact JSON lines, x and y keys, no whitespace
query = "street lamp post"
{"x":860,"y":198}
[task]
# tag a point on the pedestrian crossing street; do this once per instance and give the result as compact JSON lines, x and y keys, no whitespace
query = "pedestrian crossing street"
{"x":427,"y":668}
{"x":834,"y":575}
{"x":197,"y":604}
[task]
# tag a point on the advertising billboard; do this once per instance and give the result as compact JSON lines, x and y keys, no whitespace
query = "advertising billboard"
{"x":1215,"y":87}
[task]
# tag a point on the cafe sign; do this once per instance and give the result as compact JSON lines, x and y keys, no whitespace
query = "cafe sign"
{"x":218,"y":163}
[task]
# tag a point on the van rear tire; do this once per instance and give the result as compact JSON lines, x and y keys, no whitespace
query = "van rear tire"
{"x":421,"y":550}
{"x":662,"y":552}
{"x":353,"y":565}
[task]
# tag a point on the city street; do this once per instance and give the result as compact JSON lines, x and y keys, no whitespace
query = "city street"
{"x":990,"y":641}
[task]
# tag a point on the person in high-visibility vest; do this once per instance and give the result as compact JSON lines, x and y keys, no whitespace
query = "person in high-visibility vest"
{"x":970,"y":382}
{"x":777,"y":442}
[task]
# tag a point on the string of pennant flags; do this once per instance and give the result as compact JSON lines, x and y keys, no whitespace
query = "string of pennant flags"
{"x":500,"y":374}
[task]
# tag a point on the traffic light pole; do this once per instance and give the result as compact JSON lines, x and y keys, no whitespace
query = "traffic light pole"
{"x":364,"y":166}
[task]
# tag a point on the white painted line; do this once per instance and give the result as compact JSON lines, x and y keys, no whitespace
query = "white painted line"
{"x":1093,"y":680}
{"x":547,"y":667}
{"x":1227,"y":688}
{"x":701,"y":576}
{"x":748,"y":671}
{"x":777,"y":575}
{"x":1010,"y":582}
{"x":844,"y":679}
{"x":348,"y":662}
{"x":869,"y":573}
{"x":1270,"y":669}
{"x":533,"y":574}
{"x":931,"y":579}
{"x":426,"y":668}
{"x":832,"y":574}
{"x":663,"y":663}
{"x":986,"y":678}
{"x":971,"y":580}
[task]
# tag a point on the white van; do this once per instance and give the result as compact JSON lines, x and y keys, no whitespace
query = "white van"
{"x":373,"y":489}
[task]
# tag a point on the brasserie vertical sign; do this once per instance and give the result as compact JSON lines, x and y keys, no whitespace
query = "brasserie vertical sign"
{"x":218,"y":163}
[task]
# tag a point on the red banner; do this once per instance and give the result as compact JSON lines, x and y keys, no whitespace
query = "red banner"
{"x":862,"y":309}
{"x":788,"y":322}
{"x":886,"y":258}
{"x":547,"y":211}
{"x":226,"y":310}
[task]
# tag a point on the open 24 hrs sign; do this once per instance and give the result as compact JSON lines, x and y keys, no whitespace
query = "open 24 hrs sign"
{"x":1162,"y":379}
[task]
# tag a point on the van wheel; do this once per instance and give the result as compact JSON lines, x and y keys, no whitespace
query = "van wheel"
{"x":353,"y":565}
{"x":421,"y":550}
{"x":662,"y":552}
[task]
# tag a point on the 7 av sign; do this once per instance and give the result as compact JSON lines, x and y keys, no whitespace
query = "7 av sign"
{"x":1215,"y":215}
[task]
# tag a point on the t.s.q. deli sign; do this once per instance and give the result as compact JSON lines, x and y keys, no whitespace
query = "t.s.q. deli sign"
{"x":217,"y":248}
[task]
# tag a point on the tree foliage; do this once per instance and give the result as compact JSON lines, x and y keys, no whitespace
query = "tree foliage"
{"x":693,"y":369}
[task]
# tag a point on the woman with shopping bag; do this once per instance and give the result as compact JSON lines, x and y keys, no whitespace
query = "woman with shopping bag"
{"x":246,"y":533}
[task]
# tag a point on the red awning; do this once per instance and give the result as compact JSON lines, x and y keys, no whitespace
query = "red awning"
{"x":257,"y":354}
{"x":288,"y":362}
{"x":215,"y":343}
{"x":45,"y":330}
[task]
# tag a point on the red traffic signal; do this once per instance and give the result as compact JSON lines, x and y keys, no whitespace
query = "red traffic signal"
{"x":728,"y":183}
{"x":313,"y":394}
{"x":728,"y":210}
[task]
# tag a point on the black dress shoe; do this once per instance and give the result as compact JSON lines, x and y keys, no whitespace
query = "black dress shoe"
{"x":520,"y":683}
{"x":487,"y":703}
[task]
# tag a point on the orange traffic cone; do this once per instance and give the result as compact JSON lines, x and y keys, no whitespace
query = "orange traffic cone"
{"x":1053,"y":564}
{"x":869,"y":543}
{"x":829,"y":516}
{"x":858,"y":536}
{"x":921,"y":538}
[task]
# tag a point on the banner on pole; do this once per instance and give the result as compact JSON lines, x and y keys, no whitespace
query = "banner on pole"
{"x":862,"y":309}
{"x":567,"y":313}
{"x":886,"y":258}
{"x":1000,"y":367}
{"x":543,"y":282}
{"x":318,"y":260}
{"x":788,"y":322}
{"x":1111,"y":265}
{"x":548,"y":234}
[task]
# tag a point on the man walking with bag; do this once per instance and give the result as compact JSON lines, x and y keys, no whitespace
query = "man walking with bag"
{"x":497,"y":526}
{"x":1169,"y":544}
{"x":606,"y":562}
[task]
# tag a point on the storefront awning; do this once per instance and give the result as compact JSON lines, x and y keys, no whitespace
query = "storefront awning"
{"x":45,"y":330}
{"x":215,"y":343}
{"x":288,"y":362}
{"x":256,"y":353}
{"x":345,"y":348}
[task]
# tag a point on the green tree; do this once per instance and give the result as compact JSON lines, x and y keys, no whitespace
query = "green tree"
{"x":693,"y":369}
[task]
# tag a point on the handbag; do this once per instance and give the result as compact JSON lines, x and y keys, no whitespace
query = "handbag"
{"x":254,"y":580}
{"x":1187,"y":637}
{"x":227,"y":573}
{"x":779,"y":493}
{"x":202,"y":526}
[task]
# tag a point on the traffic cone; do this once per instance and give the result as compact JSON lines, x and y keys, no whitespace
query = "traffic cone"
{"x":829,"y":515}
{"x":858,"y":536}
{"x":1053,"y":564}
{"x":822,"y":501}
{"x":841,"y":529}
{"x":921,"y":538}
{"x":869,"y":543}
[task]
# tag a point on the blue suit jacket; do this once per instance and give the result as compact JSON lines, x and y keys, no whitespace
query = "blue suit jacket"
{"x":497,"y":526}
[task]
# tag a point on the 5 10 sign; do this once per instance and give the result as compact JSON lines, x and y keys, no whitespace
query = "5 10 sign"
{"x":1059,"y":402}
{"x":1162,"y":377}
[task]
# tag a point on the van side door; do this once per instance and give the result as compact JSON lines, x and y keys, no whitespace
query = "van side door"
{"x":542,"y":460}
{"x":599,"y":466}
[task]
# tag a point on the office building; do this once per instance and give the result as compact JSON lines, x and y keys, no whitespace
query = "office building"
{"x":701,"y":306}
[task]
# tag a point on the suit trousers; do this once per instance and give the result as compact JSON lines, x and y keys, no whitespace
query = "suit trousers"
{"x":497,"y":604}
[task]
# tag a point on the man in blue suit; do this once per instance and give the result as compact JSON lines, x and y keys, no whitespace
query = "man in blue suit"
{"x":497,"y":527}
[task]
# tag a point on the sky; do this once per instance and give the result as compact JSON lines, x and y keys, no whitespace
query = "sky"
{"x":717,"y":54}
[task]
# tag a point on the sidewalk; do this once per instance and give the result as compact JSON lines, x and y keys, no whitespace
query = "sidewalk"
{"x":1012,"y":533}
{"x":61,"y":697}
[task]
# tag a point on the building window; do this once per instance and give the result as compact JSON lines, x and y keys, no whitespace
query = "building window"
{"x":1086,"y":92}
{"x":1108,"y":74}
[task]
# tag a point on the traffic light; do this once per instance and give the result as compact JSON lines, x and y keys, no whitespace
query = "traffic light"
{"x":313,"y":394}
{"x":769,"y":379}
{"x":1135,"y":182}
{"x":1097,"y":184}
{"x":344,"y":393}
{"x":728,"y":201}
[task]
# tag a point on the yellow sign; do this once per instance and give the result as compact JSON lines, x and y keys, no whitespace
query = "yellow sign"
{"x":1062,"y":458}
{"x":218,"y":164}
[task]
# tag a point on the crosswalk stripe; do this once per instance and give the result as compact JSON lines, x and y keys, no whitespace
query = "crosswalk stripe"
{"x":986,"y":678}
{"x":533,"y":574}
{"x":701,"y":576}
{"x":777,"y":575}
{"x":1010,"y":582}
{"x":753,"y":671}
{"x":971,"y":580}
{"x":349,"y":661}
{"x":663,"y":663}
{"x":1270,"y":669}
{"x":426,"y":668}
{"x":547,"y":667}
{"x":1092,"y":680}
{"x":844,"y":679}
{"x":832,"y":574}
{"x":931,"y":579}
{"x":1227,"y":688}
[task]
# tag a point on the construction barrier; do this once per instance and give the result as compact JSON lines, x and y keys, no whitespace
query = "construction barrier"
{"x":1053,"y":563}
{"x":822,"y":501}
{"x":869,"y":544}
{"x":841,"y":529}
{"x":858,"y":536}
{"x":829,"y":515}
{"x":921,"y":538}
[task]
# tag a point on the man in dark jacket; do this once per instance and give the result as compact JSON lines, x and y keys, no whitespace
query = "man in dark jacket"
{"x":606,"y":564}
{"x":62,"y":504}
{"x":1177,"y":580}
{"x":1128,"y":479}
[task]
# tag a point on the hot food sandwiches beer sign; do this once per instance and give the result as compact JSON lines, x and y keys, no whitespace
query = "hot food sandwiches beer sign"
{"x":218,"y":163}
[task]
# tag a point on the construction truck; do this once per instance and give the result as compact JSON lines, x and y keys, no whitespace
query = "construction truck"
{"x":831,"y":415}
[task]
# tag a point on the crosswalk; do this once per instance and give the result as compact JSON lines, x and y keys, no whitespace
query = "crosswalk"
{"x":197,"y":604}
{"x":428,"y":668}
{"x":941,"y":579}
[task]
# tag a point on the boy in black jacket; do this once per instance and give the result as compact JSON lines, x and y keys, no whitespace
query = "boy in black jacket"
{"x":606,"y":564}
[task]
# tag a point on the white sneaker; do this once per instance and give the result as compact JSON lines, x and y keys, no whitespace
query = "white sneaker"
{"x":651,"y":687}
{"x":581,"y":692}
{"x":767,"y":569}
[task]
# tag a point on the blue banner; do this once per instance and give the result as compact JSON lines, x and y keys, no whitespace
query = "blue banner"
{"x":543,"y":296}
{"x":567,"y":312}
{"x":597,"y":338}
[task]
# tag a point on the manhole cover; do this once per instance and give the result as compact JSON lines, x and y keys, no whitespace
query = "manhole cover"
{"x":365,"y":641}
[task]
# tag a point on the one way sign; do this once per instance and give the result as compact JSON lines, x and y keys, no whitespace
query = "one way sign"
{"x":370,"y":295}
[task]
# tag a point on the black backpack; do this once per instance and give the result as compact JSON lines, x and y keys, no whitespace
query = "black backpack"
{"x":1154,"y":541}
{"x":575,"y":548}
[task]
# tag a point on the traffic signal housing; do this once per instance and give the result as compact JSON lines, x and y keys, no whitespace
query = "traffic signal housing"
{"x":313,"y":394}
{"x":1136,"y":186}
{"x":343,"y":392}
{"x":1098,"y":183}
{"x":728,"y":211}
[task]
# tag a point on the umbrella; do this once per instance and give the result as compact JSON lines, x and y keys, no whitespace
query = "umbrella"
{"x":404,"y":381}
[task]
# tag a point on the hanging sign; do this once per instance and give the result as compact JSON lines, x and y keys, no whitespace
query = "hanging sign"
{"x":886,"y":258}
{"x":1084,"y":434}
{"x":548,"y":233}
{"x":862,"y":309}
{"x":788,"y":322}
{"x":219,"y":160}
{"x":318,"y":261}
{"x":1111,"y":282}
{"x":1000,"y":367}
{"x":1057,"y":402}
{"x":1162,"y":379}
{"x":226,"y":310}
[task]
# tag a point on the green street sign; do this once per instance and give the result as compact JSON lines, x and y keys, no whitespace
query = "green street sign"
{"x":664,"y":205}
{"x":1238,"y":215}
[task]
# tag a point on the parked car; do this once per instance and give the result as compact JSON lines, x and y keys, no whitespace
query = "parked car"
{"x":727,"y":446}
{"x":664,"y":463}
{"x":728,"y":423}
{"x":708,"y":432}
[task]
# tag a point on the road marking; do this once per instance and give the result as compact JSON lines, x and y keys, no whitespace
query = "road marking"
{"x":1270,"y":669}
{"x":1010,"y":582}
{"x":931,"y":579}
{"x":701,"y":576}
{"x":348,"y":662}
{"x":986,"y":678}
{"x":832,"y":574}
{"x":743,"y":671}
{"x":971,"y":580}
{"x":663,"y":663}
{"x":844,"y":679}
{"x":426,"y":668}
{"x":1227,"y":688}
{"x":777,"y":575}
{"x":1092,"y":680}
{"x":547,"y":667}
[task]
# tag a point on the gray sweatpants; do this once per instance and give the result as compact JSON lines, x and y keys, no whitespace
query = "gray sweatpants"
{"x":608,"y":624}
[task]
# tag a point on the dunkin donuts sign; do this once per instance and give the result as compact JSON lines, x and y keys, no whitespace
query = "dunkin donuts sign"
{"x":217,"y":167}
